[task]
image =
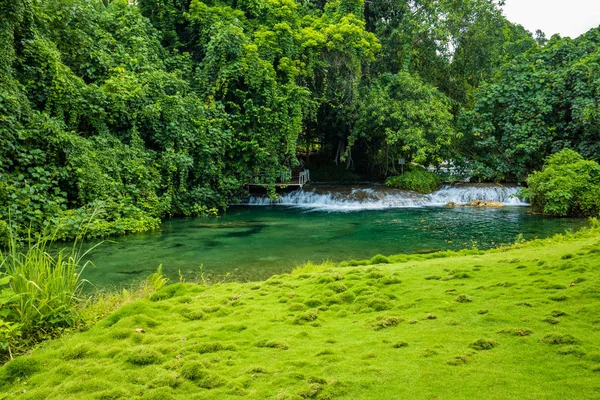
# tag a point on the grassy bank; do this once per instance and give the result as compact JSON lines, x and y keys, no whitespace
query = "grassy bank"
{"x":521,"y":322}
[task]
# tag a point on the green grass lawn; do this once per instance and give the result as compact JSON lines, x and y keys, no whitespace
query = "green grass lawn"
{"x":520,"y":323}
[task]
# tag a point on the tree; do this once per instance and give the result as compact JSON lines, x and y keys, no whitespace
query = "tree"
{"x":400,"y":116}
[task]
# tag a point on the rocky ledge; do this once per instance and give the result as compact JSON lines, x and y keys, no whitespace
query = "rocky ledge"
{"x":477,"y":203}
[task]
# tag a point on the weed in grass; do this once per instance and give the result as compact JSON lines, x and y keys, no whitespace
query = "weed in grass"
{"x":413,"y":321}
{"x":196,"y":371}
{"x":558,"y":298}
{"x":346,"y":297}
{"x":433,"y":278}
{"x":191,"y":314}
{"x":77,"y":352}
{"x":272,"y":344}
{"x":522,"y":267}
{"x":483,"y":344}
{"x":524,"y":303}
{"x":375,"y":274}
{"x":212,"y":347}
{"x":379,"y":259}
{"x":458,"y":360}
{"x":428,"y":353}
{"x":383,"y":322}
{"x":594,"y":357}
{"x":390,"y":281}
{"x":297,"y":307}
{"x":20,"y":368}
{"x":379,"y":304}
{"x":305,"y":318}
{"x":325,"y":352}
{"x":212,"y":309}
{"x":463,"y":298}
{"x":555,"y":338}
{"x":337,"y":287}
{"x":431,"y":316}
{"x":256,"y":370}
{"x":399,"y":345}
{"x":324,"y":279}
{"x":558,"y":313}
{"x":567,"y":256}
{"x":162,"y":393}
{"x":461,"y":275}
{"x":482,"y":312}
{"x":554,"y":286}
{"x":233,"y":327}
{"x":168,"y":292}
{"x":571,"y":351}
{"x":357,"y":263}
{"x":551,"y":320}
{"x":143,"y":355}
{"x":517,"y":331}
{"x":314,"y":302}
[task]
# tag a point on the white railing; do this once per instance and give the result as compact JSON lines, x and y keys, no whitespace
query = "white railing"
{"x":304,"y":177}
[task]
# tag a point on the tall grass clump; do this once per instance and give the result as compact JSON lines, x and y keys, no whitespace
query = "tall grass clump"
{"x":40,"y":289}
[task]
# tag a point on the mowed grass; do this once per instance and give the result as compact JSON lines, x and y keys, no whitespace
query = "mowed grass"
{"x":521,"y":323}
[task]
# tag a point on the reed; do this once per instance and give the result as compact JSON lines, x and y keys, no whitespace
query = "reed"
{"x":44,"y":284}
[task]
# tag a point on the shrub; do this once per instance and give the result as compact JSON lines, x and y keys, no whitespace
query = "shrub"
{"x":418,"y":180}
{"x":379,"y":259}
{"x":568,"y":185}
{"x":40,"y":288}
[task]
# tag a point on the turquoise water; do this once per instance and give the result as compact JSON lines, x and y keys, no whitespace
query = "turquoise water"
{"x":253,"y":243}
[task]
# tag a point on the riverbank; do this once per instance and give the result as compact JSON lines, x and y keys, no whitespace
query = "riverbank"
{"x":518,"y":322}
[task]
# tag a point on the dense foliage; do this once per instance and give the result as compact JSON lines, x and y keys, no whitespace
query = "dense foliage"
{"x":544,"y":101}
{"x":117,"y":113}
{"x":568,"y":185}
{"x":417,"y":180}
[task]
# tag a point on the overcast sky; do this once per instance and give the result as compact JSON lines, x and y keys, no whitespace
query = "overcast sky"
{"x":565,"y":17}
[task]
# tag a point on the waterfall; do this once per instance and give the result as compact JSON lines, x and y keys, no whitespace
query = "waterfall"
{"x":380,"y":197}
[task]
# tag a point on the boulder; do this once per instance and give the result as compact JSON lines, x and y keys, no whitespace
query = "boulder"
{"x":477,"y":203}
{"x":485,"y":203}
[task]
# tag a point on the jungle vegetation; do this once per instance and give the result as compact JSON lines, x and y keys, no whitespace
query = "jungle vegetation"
{"x":119,"y":113}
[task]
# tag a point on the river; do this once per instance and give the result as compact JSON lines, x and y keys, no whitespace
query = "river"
{"x":263,"y":238}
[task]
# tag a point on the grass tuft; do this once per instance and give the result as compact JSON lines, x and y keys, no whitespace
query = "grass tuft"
{"x":555,"y":338}
{"x":483,"y":344}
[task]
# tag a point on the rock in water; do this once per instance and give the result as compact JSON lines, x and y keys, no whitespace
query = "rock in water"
{"x":485,"y":203}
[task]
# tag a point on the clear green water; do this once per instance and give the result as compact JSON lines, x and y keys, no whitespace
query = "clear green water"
{"x":253,"y":243}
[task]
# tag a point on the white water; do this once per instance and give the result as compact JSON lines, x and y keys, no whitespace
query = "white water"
{"x":381,"y":198}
